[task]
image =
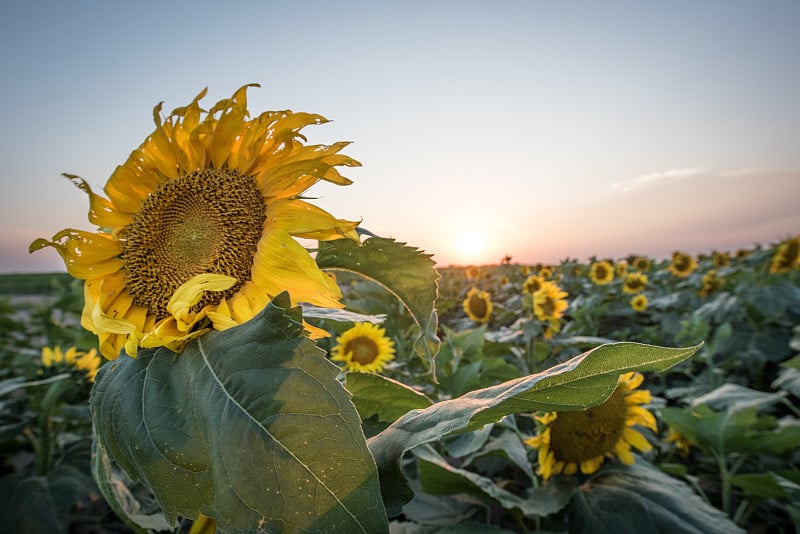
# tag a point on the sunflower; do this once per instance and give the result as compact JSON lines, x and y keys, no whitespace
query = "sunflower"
{"x":680,"y":442}
{"x":721,"y":259}
{"x":364,"y":347}
{"x":545,"y":272}
{"x":198,"y":230}
{"x":620,"y":269}
{"x":601,"y":273}
{"x":524,"y":270}
{"x":478,"y":305}
{"x":639,"y":303}
{"x":642,"y":264}
{"x":635,"y":282}
{"x":549,"y":302}
{"x":553,"y":327}
{"x":786,"y":256}
{"x":532,"y":284}
{"x":583,"y":439}
{"x":473,"y":273}
{"x":711,"y":282}
{"x":88,"y":362}
{"x":682,"y":264}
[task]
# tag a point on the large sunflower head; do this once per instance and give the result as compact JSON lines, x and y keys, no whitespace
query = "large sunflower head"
{"x":364,"y":347}
{"x":198,"y":226}
{"x":634,"y":282}
{"x":583,"y":439}
{"x":601,"y":272}
{"x":478,"y":305}
{"x":682,"y":264}
{"x":549,"y":302}
{"x":786,"y":256}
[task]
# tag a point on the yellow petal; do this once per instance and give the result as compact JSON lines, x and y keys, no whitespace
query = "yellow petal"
{"x":636,"y":439}
{"x":305,"y":220}
{"x":590,"y":466}
{"x":190,"y":293}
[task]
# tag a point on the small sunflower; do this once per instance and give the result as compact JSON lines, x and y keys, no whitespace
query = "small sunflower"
{"x":532,"y":284}
{"x":635,"y":282}
{"x":478,"y":305}
{"x":88,"y":362}
{"x":198,"y":230}
{"x":545,"y":272}
{"x":583,"y":439}
{"x":642,"y":264}
{"x":681,"y":443}
{"x":639,"y":303}
{"x":721,"y":259}
{"x":601,"y":272}
{"x":620,"y":269}
{"x":524,"y":270}
{"x":711,"y":282}
{"x":364,"y":347}
{"x":473,"y":273}
{"x":549,"y":302}
{"x":786,"y":256}
{"x":682,"y":264}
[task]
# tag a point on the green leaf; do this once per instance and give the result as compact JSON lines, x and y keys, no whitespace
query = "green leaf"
{"x":767,"y":485}
{"x":404,"y":271}
{"x":131,"y":501}
{"x":440,"y":478}
{"x":18,"y":382}
{"x":388,"y":399}
{"x":248,"y":426}
{"x":788,"y":380}
{"x":43,"y":503}
{"x":639,"y":498}
{"x":735,"y":398}
{"x":583,"y":381}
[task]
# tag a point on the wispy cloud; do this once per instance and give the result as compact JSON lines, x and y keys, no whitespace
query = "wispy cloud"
{"x":658,"y":177}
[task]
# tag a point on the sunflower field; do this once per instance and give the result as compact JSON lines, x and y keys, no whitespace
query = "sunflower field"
{"x":709,"y":444}
{"x":225,"y":356}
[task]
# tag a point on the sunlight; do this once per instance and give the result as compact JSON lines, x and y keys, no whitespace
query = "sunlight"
{"x":470,"y":244}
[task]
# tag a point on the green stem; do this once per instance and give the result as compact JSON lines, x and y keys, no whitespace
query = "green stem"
{"x":726,"y":485}
{"x":50,"y":403}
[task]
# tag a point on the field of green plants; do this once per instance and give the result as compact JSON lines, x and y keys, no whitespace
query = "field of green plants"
{"x":719,"y":452}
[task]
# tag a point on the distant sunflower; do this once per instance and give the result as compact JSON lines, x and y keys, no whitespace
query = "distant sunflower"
{"x":473,"y":273}
{"x":198,"y":230}
{"x":634,"y":282}
{"x":742,"y":253}
{"x":642,"y":264}
{"x":711,"y":282}
{"x":679,"y":441}
{"x":532,"y":284}
{"x":88,"y":362}
{"x":549,"y":302}
{"x":620,"y":269}
{"x":524,"y":270}
{"x":478,"y":305}
{"x":364,"y":347}
{"x":721,"y":259}
{"x":545,"y":272}
{"x":584,"y":439}
{"x":639,"y":303}
{"x":601,"y":272}
{"x":682,"y":264}
{"x":786,"y":256}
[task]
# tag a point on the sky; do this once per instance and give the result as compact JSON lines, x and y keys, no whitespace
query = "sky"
{"x":538,"y":130}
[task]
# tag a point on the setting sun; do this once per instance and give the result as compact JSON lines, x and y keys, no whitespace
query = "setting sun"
{"x":470,"y":244}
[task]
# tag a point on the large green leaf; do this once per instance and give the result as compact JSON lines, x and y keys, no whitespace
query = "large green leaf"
{"x":640,"y":498}
{"x":404,"y":271}
{"x":248,"y":426}
{"x":581,"y":382}
{"x":388,"y":399}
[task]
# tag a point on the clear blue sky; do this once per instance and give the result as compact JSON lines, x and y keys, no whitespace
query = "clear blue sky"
{"x":542,"y":130}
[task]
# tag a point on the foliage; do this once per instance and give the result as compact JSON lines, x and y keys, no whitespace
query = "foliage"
{"x":256,"y":427}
